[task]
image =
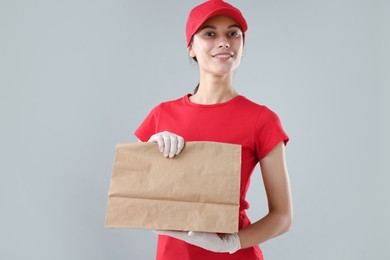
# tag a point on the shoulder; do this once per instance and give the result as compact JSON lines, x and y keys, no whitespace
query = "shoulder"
{"x":255,"y":106}
{"x":263,"y":113}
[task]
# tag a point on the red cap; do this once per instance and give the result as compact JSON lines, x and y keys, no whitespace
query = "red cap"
{"x":199,"y":14}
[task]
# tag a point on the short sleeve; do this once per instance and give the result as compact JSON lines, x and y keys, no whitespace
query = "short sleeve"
{"x":148,"y":126}
{"x":268,"y":133}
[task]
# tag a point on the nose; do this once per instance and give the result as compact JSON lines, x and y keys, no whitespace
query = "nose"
{"x":224,"y":43}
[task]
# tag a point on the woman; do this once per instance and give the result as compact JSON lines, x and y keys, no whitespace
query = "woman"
{"x":216,"y":112}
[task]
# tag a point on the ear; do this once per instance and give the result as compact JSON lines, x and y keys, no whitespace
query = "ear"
{"x":190,"y":51}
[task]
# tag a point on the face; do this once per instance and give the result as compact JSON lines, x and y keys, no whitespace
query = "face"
{"x":218,"y":45}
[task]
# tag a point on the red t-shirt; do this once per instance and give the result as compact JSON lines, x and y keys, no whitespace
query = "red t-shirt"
{"x":238,"y":121}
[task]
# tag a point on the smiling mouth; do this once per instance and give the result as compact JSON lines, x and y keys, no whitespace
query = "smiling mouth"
{"x":223,"y":55}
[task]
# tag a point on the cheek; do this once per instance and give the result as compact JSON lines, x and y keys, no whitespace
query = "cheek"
{"x":201,"y":47}
{"x":239,"y":44}
{"x":202,"y":56}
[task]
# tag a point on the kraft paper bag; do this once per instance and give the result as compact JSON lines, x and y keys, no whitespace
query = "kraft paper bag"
{"x":198,"y":190}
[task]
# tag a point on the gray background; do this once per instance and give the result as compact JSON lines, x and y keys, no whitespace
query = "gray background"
{"x":78,"y":77}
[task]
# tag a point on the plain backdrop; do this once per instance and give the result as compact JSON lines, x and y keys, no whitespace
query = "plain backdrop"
{"x":78,"y":77}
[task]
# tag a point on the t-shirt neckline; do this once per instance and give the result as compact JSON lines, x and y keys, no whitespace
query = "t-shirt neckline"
{"x":188,"y":102}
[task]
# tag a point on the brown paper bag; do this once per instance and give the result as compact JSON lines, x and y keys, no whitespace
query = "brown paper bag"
{"x":197,"y":190}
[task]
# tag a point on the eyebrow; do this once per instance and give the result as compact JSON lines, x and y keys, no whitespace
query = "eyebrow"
{"x":214,"y":28}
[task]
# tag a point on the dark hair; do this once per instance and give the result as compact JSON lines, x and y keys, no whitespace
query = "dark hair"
{"x":196,"y":89}
{"x":196,"y":60}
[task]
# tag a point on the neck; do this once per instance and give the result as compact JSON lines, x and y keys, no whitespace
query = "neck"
{"x":214,"y":89}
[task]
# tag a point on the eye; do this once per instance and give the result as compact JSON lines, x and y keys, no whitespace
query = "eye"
{"x":234,"y":33}
{"x":209,"y":34}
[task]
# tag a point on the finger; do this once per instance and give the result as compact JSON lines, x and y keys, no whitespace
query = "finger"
{"x":167,"y":145}
{"x":191,"y":233}
{"x":180,"y":144}
{"x":173,"y":149}
{"x":157,"y":138}
{"x":200,"y":235}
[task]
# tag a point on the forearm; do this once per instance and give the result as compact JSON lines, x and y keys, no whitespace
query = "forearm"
{"x":270,"y":226}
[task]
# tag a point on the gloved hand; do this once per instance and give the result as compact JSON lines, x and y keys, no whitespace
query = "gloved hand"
{"x":209,"y":241}
{"x":169,"y":143}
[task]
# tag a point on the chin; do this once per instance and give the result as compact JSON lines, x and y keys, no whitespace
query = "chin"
{"x":221,"y":70}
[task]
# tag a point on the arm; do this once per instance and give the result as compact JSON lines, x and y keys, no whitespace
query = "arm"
{"x":277,"y":187}
{"x":276,"y":222}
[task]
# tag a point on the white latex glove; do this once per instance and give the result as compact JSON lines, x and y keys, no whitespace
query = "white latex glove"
{"x":169,"y":143}
{"x":209,"y":241}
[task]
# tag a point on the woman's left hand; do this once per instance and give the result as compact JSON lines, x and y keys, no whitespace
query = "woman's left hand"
{"x":227,"y":243}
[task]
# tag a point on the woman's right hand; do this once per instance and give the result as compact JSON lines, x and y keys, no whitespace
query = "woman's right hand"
{"x":170,"y":144}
